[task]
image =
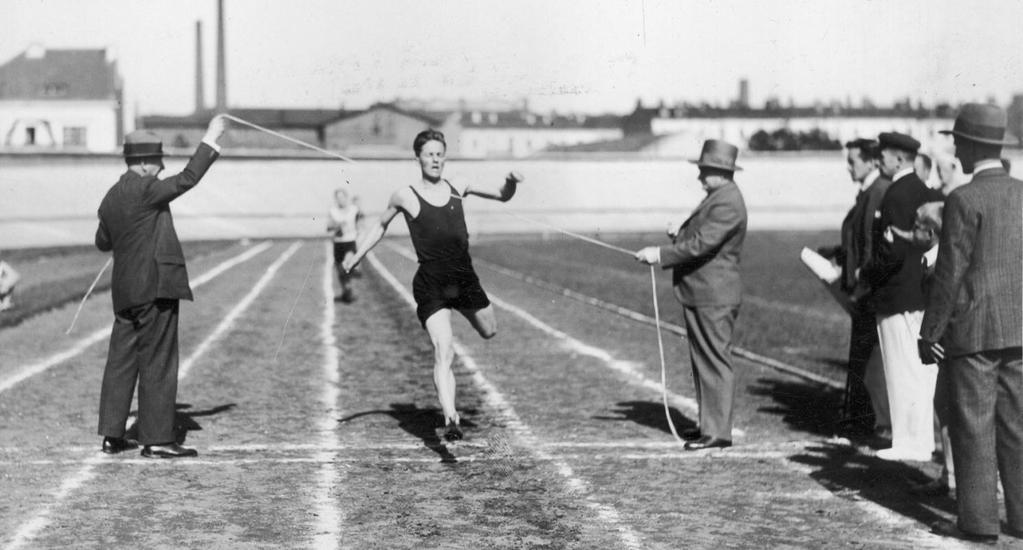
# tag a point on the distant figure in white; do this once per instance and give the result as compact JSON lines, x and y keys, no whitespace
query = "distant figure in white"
{"x":8,"y":278}
{"x":343,"y":223}
{"x":445,"y":280}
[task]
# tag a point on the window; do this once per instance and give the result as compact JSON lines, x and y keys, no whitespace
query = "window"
{"x":55,"y":89}
{"x":74,"y":136}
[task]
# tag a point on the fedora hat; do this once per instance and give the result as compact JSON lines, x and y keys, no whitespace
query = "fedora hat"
{"x":981,"y":123}
{"x":718,"y":154}
{"x":142,"y":143}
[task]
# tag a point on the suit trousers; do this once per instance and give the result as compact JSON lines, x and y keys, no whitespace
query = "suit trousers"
{"x":709,"y":330}
{"x":986,"y":428}
{"x":143,"y":348}
{"x":910,"y":383}
{"x":866,"y":398}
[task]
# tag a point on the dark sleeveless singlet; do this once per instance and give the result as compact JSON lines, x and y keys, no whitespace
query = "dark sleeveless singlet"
{"x":438,"y":232}
{"x":445,"y":278}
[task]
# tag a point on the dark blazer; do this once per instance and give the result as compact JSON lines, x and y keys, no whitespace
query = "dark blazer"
{"x":975,"y":295}
{"x":895,"y":273}
{"x":704,"y":256}
{"x":857,"y":248}
{"x":135,"y":222}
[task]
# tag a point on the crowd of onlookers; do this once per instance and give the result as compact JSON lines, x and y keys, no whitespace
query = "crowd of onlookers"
{"x":933,"y":268}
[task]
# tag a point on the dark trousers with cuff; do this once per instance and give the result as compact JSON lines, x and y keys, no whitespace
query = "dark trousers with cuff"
{"x":709,"y":330}
{"x":143,"y":348}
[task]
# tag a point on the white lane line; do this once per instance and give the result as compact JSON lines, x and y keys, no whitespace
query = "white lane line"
{"x":335,"y":446}
{"x":228,"y":321}
{"x":329,"y":460}
{"x":629,"y":369}
{"x":82,"y":344}
{"x":608,"y":515}
{"x":28,"y":530}
{"x":327,"y":528}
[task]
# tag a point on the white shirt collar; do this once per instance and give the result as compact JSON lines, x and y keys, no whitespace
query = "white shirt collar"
{"x":986,"y":164}
{"x":902,"y":173}
{"x":870,"y":179}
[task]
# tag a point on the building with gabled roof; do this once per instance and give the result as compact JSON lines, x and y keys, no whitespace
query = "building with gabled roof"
{"x":61,"y":100}
{"x":382,"y":130}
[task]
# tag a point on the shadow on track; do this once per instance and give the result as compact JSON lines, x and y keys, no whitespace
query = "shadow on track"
{"x":804,"y":406}
{"x":849,"y":474}
{"x":420,"y":423}
{"x":650,"y":414}
{"x":184,"y":420}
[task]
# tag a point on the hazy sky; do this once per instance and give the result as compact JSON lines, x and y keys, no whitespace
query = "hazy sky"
{"x":581,"y":55}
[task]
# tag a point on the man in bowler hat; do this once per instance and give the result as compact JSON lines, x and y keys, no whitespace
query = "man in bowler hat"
{"x":895,"y":278}
{"x":704,"y":258}
{"x":149,"y":278}
{"x":973,"y":328}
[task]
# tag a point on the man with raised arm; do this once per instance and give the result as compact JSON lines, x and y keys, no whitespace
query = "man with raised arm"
{"x":149,"y":278}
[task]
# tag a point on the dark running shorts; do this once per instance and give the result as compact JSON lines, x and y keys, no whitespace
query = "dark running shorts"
{"x":340,"y":249}
{"x":447,"y":284}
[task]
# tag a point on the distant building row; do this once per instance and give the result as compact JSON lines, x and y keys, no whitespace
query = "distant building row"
{"x":386,"y":130}
{"x":72,"y":100}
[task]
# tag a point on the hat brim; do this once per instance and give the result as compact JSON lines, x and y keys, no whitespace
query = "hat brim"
{"x":732,"y":168}
{"x":141,"y":155}
{"x":978,"y":139}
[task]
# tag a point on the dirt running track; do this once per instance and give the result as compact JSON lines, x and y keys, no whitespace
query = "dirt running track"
{"x":334,"y":443}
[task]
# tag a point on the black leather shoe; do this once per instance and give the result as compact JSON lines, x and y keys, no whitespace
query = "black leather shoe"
{"x":707,"y":442}
{"x":114,"y":445}
{"x":453,"y":433}
{"x":170,"y":450}
{"x":689,"y":434}
{"x":949,"y":529}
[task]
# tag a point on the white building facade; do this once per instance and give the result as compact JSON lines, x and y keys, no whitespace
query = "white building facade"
{"x":61,"y":100}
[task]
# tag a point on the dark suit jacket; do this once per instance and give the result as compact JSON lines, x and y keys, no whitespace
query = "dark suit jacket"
{"x":895,"y":273}
{"x":135,"y":222}
{"x":976,"y":292}
{"x":857,"y":248}
{"x":704,"y":256}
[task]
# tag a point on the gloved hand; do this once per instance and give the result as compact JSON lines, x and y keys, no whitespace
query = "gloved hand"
{"x":650,"y":255}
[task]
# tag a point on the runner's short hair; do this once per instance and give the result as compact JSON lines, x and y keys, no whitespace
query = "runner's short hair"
{"x":425,"y":136}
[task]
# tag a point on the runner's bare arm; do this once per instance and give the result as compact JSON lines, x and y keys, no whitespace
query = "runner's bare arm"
{"x":503,"y":193}
{"x":375,"y":231}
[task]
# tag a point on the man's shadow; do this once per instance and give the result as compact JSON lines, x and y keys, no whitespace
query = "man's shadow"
{"x":420,"y":423}
{"x":850,"y":474}
{"x":184,"y":420}
{"x":806,"y":407}
{"x":649,"y":414}
{"x":842,"y":468}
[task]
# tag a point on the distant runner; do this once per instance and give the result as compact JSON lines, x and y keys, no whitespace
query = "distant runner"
{"x":342,"y":221}
{"x":445,"y":279}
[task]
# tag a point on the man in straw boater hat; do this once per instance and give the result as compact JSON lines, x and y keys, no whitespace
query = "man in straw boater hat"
{"x":704,"y":258}
{"x":973,"y":327}
{"x":149,"y":278}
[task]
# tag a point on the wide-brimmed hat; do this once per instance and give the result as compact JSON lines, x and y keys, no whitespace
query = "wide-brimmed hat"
{"x":718,"y":154}
{"x":895,"y":140}
{"x":142,"y":143}
{"x":981,"y":123}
